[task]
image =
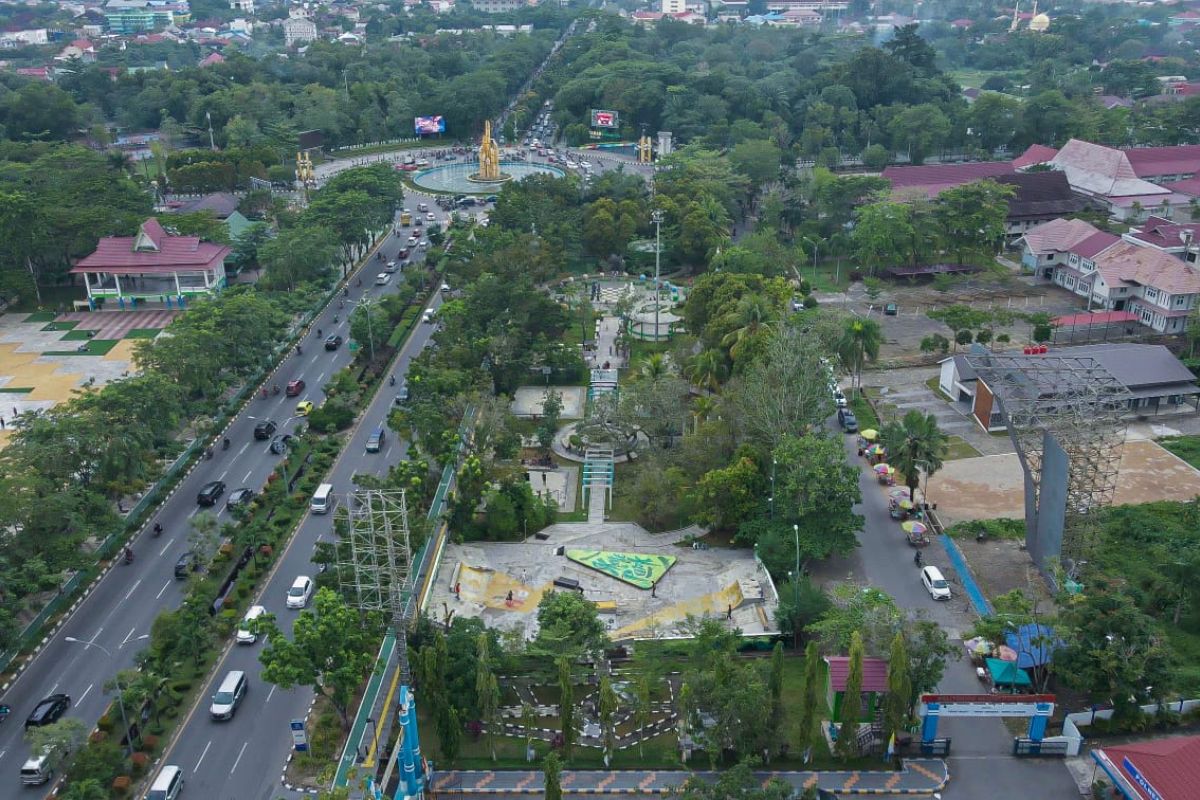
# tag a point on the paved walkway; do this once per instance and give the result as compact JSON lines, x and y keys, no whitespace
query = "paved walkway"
{"x":918,"y":776}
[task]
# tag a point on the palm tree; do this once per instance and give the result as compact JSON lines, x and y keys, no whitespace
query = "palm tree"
{"x":752,"y":314}
{"x":706,"y":369}
{"x":653,"y":367}
{"x":702,"y":407}
{"x":859,"y":343}
{"x":914,"y":444}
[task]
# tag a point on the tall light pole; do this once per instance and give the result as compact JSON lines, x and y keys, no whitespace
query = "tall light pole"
{"x":796,"y":585}
{"x":657,"y":217}
{"x":815,"y":248}
{"x":365,"y":304}
{"x":212,"y":143}
{"x":771,"y":499}
{"x":116,"y":680}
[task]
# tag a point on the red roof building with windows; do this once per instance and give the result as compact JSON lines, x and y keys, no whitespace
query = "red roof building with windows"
{"x":1162,"y":769}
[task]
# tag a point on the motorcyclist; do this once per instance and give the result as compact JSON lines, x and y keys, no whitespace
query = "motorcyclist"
{"x":392,"y":381}
{"x":158,"y":529}
{"x":917,"y":558}
{"x":128,"y":553}
{"x":225,"y":443}
{"x":320,"y":332}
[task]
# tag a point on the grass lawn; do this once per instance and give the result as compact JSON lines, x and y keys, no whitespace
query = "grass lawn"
{"x":957,"y":447}
{"x":1186,"y":447}
{"x":863,"y":410}
{"x":78,"y":335}
{"x":41,"y":316}
{"x":65,"y":325}
{"x":830,"y":277}
{"x":15,"y":389}
{"x":95,"y":347}
{"x":143,"y":333}
{"x":639,"y":351}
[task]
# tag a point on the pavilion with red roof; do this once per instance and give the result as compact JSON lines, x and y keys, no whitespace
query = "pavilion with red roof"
{"x":152,"y":267}
{"x":874,"y":685}
{"x":1162,"y":769}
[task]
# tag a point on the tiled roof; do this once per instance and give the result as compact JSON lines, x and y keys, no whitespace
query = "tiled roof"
{"x":1163,"y":233}
{"x":1058,"y":235}
{"x":1127,"y":263}
{"x":945,"y":175}
{"x":1041,"y":194}
{"x":874,"y":673}
{"x":1150,"y":162}
{"x":1099,"y":170}
{"x":1034,"y":154}
{"x":1134,"y":365}
{"x":1171,"y":766}
{"x":1190,"y":187}
{"x":1095,"y":244}
{"x":222,"y":204}
{"x":161,"y":252}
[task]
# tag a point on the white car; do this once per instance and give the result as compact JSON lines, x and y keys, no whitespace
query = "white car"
{"x":247,"y":632}
{"x":585,"y":164}
{"x":935,"y":584}
{"x":412,"y":240}
{"x":430,"y":217}
{"x":302,"y":589}
{"x":423,"y":244}
{"x":839,"y":399}
{"x":382,"y":278}
{"x":390,"y":268}
{"x":445,"y":287}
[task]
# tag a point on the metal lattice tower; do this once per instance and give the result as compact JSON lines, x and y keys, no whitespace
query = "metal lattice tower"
{"x":1080,"y":405}
{"x":377,"y":557}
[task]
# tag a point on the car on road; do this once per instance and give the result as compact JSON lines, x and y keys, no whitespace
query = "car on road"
{"x":891,"y":310}
{"x":333,"y":341}
{"x":935,"y":583}
{"x":403,"y":254}
{"x":391,"y":267}
{"x":48,"y":711}
{"x":839,"y":399}
{"x":186,"y":565}
{"x":247,"y":632}
{"x":401,"y":395}
{"x":209,"y":493}
{"x":304,"y":408}
{"x":294,"y":388}
{"x":445,"y":287}
{"x":382,"y":279}
{"x":301,"y":591}
{"x":430,"y":217}
{"x":280,"y":444}
{"x":412,"y":240}
{"x":491,"y":198}
{"x":847,"y":420}
{"x":239,"y":498}
{"x":423,"y":244}
{"x":167,"y":785}
{"x":264,"y":429}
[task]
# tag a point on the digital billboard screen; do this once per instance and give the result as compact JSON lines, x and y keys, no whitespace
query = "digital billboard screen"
{"x":604,"y":119}
{"x":426,"y":125}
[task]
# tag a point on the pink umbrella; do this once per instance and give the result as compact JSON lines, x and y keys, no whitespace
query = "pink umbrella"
{"x":1006,"y":653}
{"x":898,"y":492}
{"x":882,"y":469}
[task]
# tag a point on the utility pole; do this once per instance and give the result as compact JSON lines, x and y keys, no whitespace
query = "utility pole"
{"x":212,"y":143}
{"x":657,"y":217}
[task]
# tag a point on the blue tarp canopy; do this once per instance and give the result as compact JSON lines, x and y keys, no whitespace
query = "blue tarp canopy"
{"x":1006,"y":673}
{"x":1035,"y":645}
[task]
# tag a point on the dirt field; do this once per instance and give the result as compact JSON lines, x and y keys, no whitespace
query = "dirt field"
{"x":993,"y":486}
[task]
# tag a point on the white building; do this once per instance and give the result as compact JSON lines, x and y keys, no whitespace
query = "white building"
{"x":674,"y":6}
{"x":299,"y":30}
{"x":500,"y":6}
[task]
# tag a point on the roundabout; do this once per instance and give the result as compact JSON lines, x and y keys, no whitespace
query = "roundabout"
{"x":464,"y":178}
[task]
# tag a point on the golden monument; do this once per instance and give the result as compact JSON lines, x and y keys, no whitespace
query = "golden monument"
{"x":489,"y":157}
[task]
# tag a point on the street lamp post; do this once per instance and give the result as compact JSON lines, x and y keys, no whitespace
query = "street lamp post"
{"x":815,"y":248}
{"x":796,"y":530}
{"x":116,"y":681}
{"x":771,"y":499}
{"x":657,"y":217}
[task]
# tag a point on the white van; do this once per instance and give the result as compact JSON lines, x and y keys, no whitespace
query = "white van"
{"x":167,"y":785}
{"x":427,"y":316}
{"x":322,"y":499}
{"x":247,"y":632}
{"x":229,"y":695}
{"x":37,"y":771}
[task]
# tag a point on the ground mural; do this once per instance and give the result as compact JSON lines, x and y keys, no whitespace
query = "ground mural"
{"x":636,"y":569}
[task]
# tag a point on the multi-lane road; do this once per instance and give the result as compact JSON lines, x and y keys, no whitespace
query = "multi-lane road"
{"x":241,"y":758}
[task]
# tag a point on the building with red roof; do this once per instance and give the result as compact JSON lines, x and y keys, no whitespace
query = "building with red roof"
{"x":932,"y":179}
{"x":874,"y":685}
{"x":152,"y":267}
{"x":1034,"y":154}
{"x":1162,"y":769}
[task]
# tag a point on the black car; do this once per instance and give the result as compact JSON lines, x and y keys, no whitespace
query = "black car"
{"x":848,"y":421}
{"x":891,"y":310}
{"x":333,"y":341}
{"x":264,"y":430}
{"x":48,"y":711}
{"x":186,"y":565}
{"x":239,"y":497}
{"x":209,"y":493}
{"x":280,"y":444}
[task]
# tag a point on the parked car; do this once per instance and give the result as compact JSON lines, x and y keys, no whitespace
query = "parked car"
{"x":935,"y":584}
{"x":210,"y":492}
{"x":301,"y":591}
{"x":294,"y":388}
{"x":891,"y":309}
{"x":264,"y":430}
{"x":847,"y":420}
{"x":333,"y":341}
{"x":48,"y":711}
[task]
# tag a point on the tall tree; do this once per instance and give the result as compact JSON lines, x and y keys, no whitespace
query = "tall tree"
{"x":552,"y":772}
{"x":914,"y":445}
{"x":972,"y":217}
{"x":775,"y":684}
{"x":608,"y":711}
{"x":487,"y":692}
{"x":566,"y":706}
{"x":899,"y":695}
{"x":846,"y":746}
{"x":810,"y":699}
{"x":860,"y":343}
{"x":641,"y":709}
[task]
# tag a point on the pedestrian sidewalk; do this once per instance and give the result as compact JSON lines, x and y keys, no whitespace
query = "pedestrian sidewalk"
{"x":919,"y":776}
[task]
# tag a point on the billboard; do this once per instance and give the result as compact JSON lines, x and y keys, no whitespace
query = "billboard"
{"x":604,"y":119}
{"x":310,"y":140}
{"x":425,"y":125}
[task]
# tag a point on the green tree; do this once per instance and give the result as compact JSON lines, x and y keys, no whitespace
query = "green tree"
{"x":551,"y":413}
{"x":876,"y":157}
{"x":552,"y":772}
{"x":914,"y":445}
{"x":896,"y":703}
{"x":566,"y":706}
{"x":806,"y":726}
{"x":204,"y":534}
{"x":725,"y":497}
{"x":859,"y":344}
{"x":846,"y":746}
{"x":973,"y":217}
{"x":641,"y":710}
{"x":449,"y":730}
{"x":919,"y":129}
{"x":608,"y":710}
{"x":568,"y":624}
{"x":90,"y":789}
{"x":487,"y":691}
{"x":882,"y":234}
{"x":816,"y":491}
{"x":297,"y":255}
{"x":737,"y":782}
{"x":775,"y":684}
{"x":758,"y":160}
{"x":58,"y":740}
{"x":330,"y":650}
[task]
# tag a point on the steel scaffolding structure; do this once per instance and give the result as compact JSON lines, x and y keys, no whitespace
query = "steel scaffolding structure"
{"x":377,"y":557}
{"x":1078,"y":404}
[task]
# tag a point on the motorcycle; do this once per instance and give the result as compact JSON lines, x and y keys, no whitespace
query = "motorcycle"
{"x":225,"y":444}
{"x":157,"y":530}
{"x":208,"y":454}
{"x":4,"y":712}
{"x":275,"y":390}
{"x":128,"y":556}
{"x":392,"y":381}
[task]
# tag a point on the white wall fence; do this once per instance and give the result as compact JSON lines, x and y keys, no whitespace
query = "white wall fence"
{"x":1073,"y":737}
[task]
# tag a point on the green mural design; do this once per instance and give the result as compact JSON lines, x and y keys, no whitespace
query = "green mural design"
{"x":640,"y":570}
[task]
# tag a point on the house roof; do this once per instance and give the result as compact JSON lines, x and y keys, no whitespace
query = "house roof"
{"x":1164,"y":233}
{"x":152,"y":250}
{"x":1134,"y":365}
{"x":1099,"y":170}
{"x":212,"y":58}
{"x":1171,"y":766}
{"x":221,"y":204}
{"x":1145,"y":266}
{"x":1111,"y":101}
{"x":945,"y":175}
{"x":1058,"y":235}
{"x":874,"y":673}
{"x":1035,"y":154}
{"x":1095,"y":244}
{"x":1041,"y":194}
{"x":1150,"y":162}
{"x":1035,"y":644}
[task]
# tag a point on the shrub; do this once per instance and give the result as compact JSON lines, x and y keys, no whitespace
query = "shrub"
{"x":120,"y":785}
{"x":150,"y":742}
{"x":139,"y":762}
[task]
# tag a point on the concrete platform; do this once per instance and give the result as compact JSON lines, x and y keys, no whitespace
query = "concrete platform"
{"x":527,"y":400}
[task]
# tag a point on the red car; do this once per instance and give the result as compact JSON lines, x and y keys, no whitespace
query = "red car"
{"x":294,"y":388}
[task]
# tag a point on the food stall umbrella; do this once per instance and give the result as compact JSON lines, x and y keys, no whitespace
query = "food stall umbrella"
{"x":870,"y":434}
{"x":914,"y":527}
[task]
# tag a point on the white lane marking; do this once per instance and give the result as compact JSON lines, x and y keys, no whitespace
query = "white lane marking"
{"x":133,"y":588}
{"x":269,"y":695}
{"x":202,"y":755}
{"x":94,"y":637}
{"x":85,"y":694}
{"x":239,"y":758}
{"x":195,"y":511}
{"x":163,"y":589}
{"x":2,"y":752}
{"x":247,"y":478}
{"x":321,"y":377}
{"x":221,"y":477}
{"x":386,"y":456}
{"x":131,"y":630}
{"x":239,"y":452}
{"x":166,"y":547}
{"x":54,"y":689}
